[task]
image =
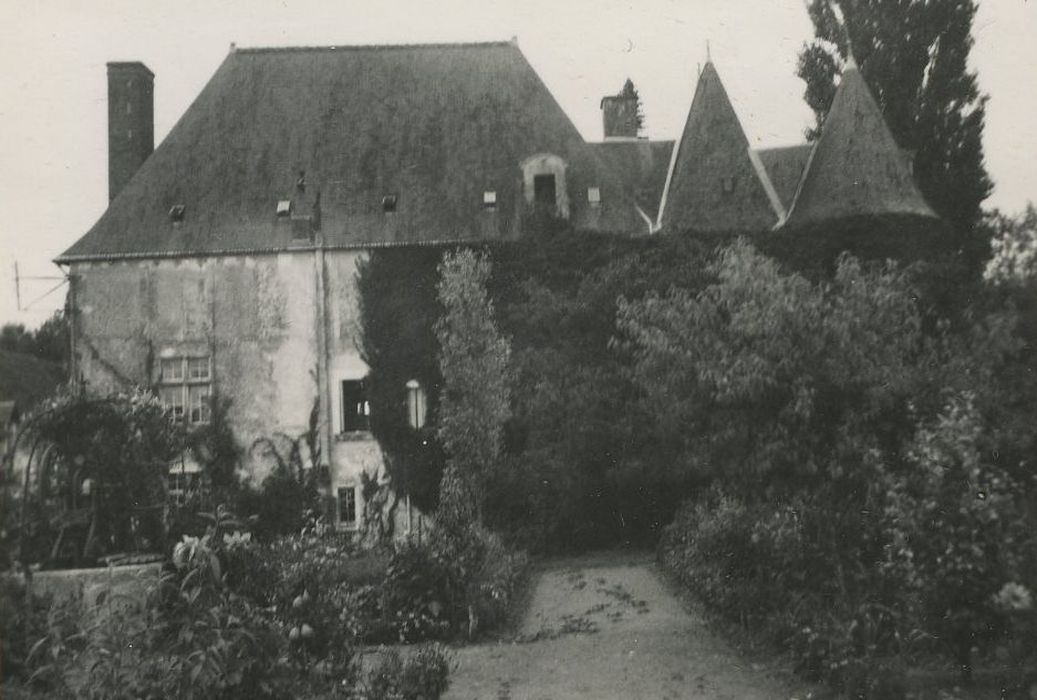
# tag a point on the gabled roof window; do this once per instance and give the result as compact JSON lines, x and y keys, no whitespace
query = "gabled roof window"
{"x":176,"y":213}
{"x":594,"y":196}
{"x":389,"y":203}
{"x":727,"y":184}
{"x":284,"y":208}
{"x":489,"y":199}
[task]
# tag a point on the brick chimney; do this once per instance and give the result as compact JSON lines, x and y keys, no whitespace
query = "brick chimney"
{"x":619,"y":113}
{"x":131,"y":121}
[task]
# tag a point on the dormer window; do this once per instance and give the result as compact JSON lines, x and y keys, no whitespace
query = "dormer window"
{"x":489,"y":199}
{"x":389,"y":203}
{"x":284,"y":208}
{"x":727,"y":185}
{"x":176,"y":213}
{"x":543,"y":184}
{"x":594,"y":196}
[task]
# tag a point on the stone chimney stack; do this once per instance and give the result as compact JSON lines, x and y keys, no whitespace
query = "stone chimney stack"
{"x":131,"y":121}
{"x":619,"y":114}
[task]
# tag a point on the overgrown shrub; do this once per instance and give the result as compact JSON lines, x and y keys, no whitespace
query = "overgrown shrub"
{"x":422,"y":676}
{"x":452,"y":584}
{"x":289,"y":499}
{"x":196,"y":637}
{"x":860,"y":511}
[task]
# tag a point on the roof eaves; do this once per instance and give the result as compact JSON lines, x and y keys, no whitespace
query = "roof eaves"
{"x":228,"y":252}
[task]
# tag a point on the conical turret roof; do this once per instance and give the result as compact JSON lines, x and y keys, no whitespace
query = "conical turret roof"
{"x":714,"y":183}
{"x":856,"y":168}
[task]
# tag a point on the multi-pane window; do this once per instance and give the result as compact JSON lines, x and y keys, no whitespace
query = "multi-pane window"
{"x":181,"y":486}
{"x":347,"y":505}
{"x":185,"y":387}
{"x":356,"y":411}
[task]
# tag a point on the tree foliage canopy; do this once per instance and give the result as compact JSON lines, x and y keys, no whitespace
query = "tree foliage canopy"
{"x":48,"y":342}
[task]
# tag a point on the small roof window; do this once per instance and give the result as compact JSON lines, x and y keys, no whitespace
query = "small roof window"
{"x":489,"y":199}
{"x":389,"y":203}
{"x":284,"y":207}
{"x":176,"y":213}
{"x":594,"y":195}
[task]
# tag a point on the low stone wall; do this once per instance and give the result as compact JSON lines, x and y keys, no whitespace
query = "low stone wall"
{"x":128,"y":583}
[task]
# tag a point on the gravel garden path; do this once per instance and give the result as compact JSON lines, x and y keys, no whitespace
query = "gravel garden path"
{"x":610,"y":628}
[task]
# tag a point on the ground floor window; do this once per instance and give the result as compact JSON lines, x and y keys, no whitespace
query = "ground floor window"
{"x":347,"y":505}
{"x":181,"y":486}
{"x":184,"y":387}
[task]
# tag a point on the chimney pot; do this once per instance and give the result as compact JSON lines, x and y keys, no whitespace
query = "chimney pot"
{"x":131,"y":121}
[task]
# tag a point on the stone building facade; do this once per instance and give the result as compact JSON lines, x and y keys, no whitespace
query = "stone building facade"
{"x":226,"y":261}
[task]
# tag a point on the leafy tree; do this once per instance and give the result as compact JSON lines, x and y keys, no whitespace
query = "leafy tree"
{"x":51,"y":339}
{"x":1014,"y":259}
{"x":475,"y":403}
{"x":48,"y":342}
{"x":776,"y":380}
{"x":16,"y":338}
{"x":914,"y":56}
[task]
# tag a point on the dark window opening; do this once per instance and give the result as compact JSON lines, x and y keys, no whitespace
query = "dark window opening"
{"x":347,"y":504}
{"x":544,"y":190}
{"x":356,"y":411}
{"x":389,"y":203}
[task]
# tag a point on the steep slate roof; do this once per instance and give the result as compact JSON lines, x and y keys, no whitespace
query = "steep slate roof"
{"x":856,"y":168}
{"x":641,"y":165}
{"x":437,"y":125}
{"x":713,"y":147}
{"x":785,"y":166}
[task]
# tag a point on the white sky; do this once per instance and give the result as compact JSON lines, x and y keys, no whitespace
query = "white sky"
{"x":53,"y":113}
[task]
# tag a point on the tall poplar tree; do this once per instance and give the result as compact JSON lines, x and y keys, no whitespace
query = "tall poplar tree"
{"x":473,"y":359}
{"x":914,"y":56}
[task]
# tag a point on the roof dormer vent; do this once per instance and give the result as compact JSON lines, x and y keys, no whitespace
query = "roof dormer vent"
{"x":284,"y":208}
{"x":489,"y":199}
{"x":389,"y":203}
{"x":176,"y":213}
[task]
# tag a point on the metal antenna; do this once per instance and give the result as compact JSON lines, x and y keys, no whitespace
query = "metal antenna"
{"x":18,"y":287}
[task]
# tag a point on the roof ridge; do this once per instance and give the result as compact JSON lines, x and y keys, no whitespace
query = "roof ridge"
{"x":374,"y":47}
